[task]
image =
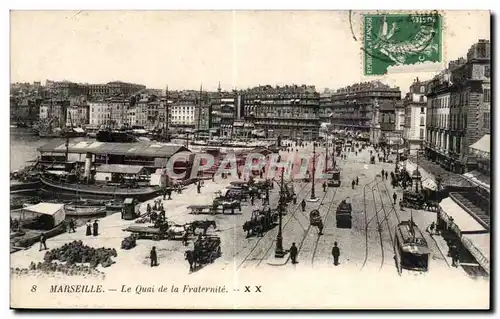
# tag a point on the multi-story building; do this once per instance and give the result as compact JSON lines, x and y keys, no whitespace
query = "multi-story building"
{"x":77,"y":115}
{"x":415,"y":104}
{"x":353,"y":107}
{"x":223,"y":113}
{"x":458,"y":109}
{"x":54,"y":111}
{"x":99,"y":113}
{"x":183,"y":111}
{"x":289,"y":111}
{"x":67,"y":88}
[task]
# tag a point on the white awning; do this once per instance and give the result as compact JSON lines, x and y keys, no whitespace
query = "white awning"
{"x":55,"y":210}
{"x":463,"y":222}
{"x":478,"y":178}
{"x":483,"y":145}
{"x":429,"y":184}
{"x":479,"y":247}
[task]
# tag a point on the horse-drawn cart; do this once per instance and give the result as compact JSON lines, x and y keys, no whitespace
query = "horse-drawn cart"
{"x":206,"y":250}
{"x":315,"y":220}
{"x":159,"y":232}
{"x":148,"y":232}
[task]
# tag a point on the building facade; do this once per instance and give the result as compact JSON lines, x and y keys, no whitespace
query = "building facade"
{"x":289,"y":111}
{"x":354,"y":108}
{"x":415,"y":108}
{"x":459,"y":104}
{"x":77,"y":115}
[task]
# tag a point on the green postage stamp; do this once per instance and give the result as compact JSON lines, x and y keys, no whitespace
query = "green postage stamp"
{"x":400,"y":39}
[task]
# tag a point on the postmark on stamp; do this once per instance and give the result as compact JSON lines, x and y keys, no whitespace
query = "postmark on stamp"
{"x":400,"y":39}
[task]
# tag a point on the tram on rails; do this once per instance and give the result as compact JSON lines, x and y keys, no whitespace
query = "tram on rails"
{"x":410,"y":247}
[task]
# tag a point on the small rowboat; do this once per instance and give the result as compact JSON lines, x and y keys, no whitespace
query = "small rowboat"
{"x":76,"y":210}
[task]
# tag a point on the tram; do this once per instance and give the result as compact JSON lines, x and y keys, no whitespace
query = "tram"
{"x":410,"y":247}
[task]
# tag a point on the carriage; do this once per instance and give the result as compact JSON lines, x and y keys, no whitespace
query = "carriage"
{"x":315,"y":220}
{"x":261,"y":221}
{"x":344,"y":214}
{"x":334,"y":181}
{"x":206,"y":250}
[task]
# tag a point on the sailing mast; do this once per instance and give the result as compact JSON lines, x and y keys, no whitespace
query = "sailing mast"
{"x":199,"y":113}
{"x":165,"y":132}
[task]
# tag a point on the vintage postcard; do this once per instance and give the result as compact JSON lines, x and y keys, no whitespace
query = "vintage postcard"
{"x":250,"y":159}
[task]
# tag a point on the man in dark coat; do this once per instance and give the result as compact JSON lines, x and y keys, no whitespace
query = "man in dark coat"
{"x":353,"y":183}
{"x":153,"y":257}
{"x":198,"y":187}
{"x":324,"y":187}
{"x":386,"y":175}
{"x":335,"y":254}
{"x":357,"y":180}
{"x":71,"y":228}
{"x":394,"y":196}
{"x":252,"y":198}
{"x":42,"y":242}
{"x":95,"y":228}
{"x":89,"y":228}
{"x":303,"y":204}
{"x":293,"y":253}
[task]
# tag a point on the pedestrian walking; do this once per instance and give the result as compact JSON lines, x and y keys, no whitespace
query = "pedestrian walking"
{"x":294,"y":198}
{"x":252,"y":198}
{"x":394,"y":196}
{"x":386,"y":175}
{"x":89,"y":229}
{"x":71,"y":228}
{"x":148,"y":208}
{"x":198,"y":187}
{"x":293,"y":253}
{"x":303,"y":204}
{"x":95,"y":228}
{"x":431,"y":228}
{"x":383,"y":173}
{"x":153,"y":257}
{"x":42,"y":242}
{"x":324,"y":187}
{"x":353,"y":183}
{"x":335,"y":254}
{"x":357,"y":180}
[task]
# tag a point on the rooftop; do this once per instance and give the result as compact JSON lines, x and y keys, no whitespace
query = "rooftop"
{"x":82,"y":146}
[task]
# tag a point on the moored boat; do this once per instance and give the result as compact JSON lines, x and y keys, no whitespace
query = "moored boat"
{"x":83,"y":210}
{"x":100,"y":190}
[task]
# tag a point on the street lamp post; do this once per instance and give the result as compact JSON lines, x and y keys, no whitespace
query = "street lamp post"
{"x":313,"y":195}
{"x":279,"y":252}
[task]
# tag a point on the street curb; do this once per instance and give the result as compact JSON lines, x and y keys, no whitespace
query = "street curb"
{"x":276,"y":260}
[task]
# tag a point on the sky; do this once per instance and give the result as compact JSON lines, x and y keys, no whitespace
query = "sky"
{"x":183,"y":49}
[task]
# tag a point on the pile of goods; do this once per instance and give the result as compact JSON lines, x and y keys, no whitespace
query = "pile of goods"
{"x":46,"y":268}
{"x":76,"y":252}
{"x":129,"y":242}
{"x":143,"y":220}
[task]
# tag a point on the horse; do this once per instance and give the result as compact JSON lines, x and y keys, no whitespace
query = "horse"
{"x":254,"y":226}
{"x":190,"y":256}
{"x":203,"y":224}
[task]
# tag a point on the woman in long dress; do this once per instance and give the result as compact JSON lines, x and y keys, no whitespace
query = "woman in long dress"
{"x":89,"y":229}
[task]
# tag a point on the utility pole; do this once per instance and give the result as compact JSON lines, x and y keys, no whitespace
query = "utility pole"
{"x":326,"y":154}
{"x":279,"y":252}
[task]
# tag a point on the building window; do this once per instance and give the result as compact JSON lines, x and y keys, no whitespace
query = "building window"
{"x":422,"y":110}
{"x":421,"y":133}
{"x":486,"y":120}
{"x":486,"y":94}
{"x":422,"y":121}
{"x":422,"y":89}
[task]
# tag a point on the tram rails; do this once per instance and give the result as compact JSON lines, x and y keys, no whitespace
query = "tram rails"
{"x":267,"y":234}
{"x":366,"y":222}
{"x":324,"y":223}
{"x":385,"y":217}
{"x":379,"y":226}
